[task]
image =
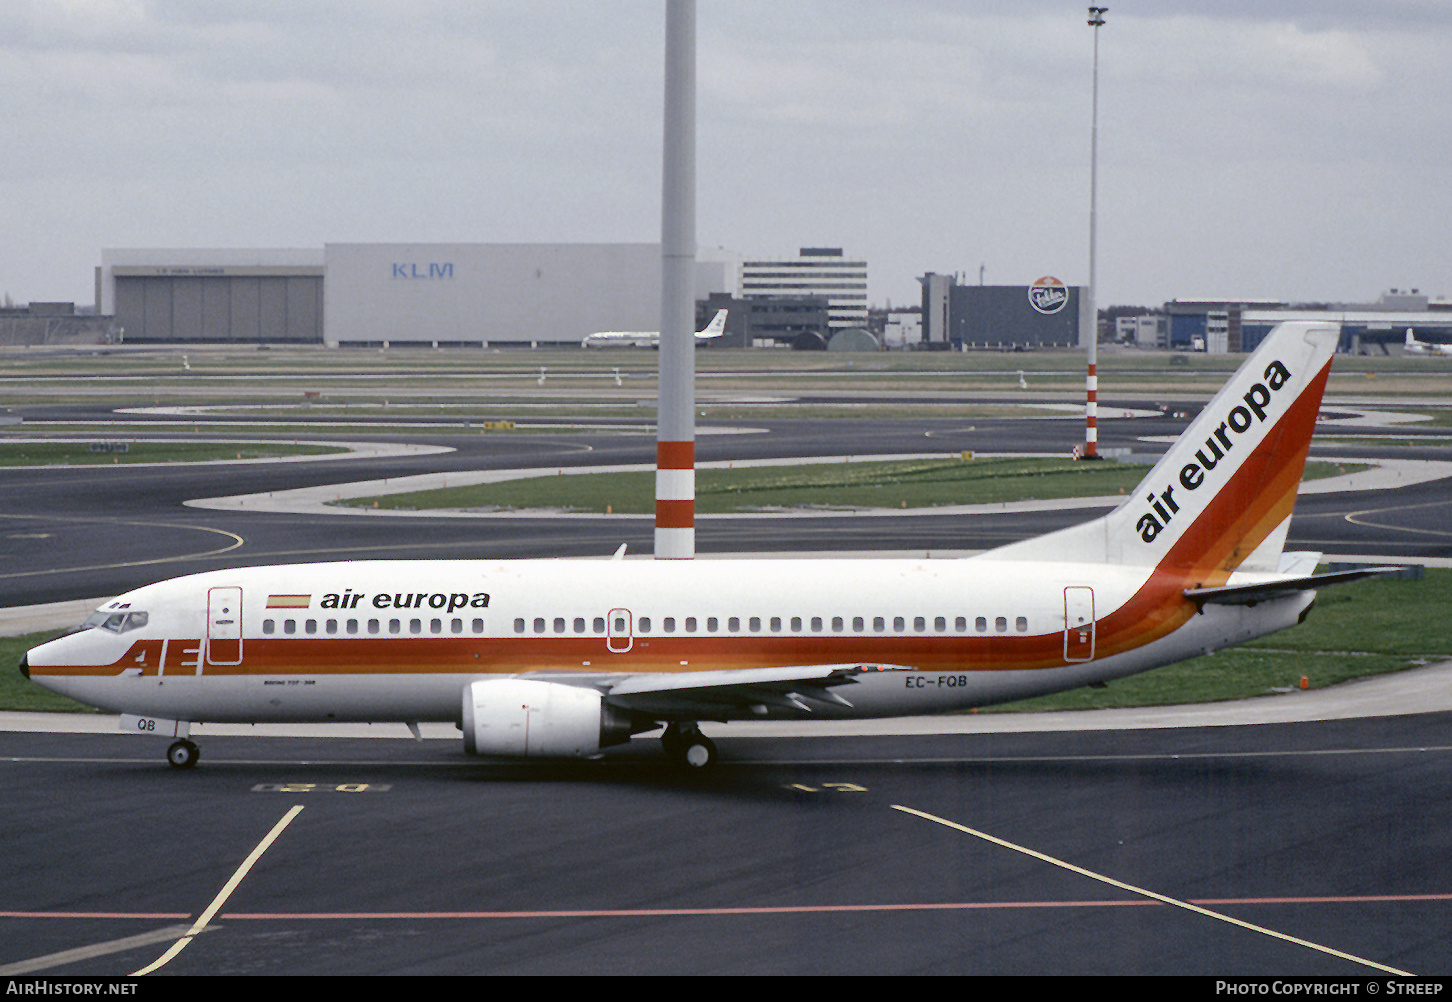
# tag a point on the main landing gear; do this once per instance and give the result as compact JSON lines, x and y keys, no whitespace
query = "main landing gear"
{"x":183,"y":754}
{"x":690,"y":749}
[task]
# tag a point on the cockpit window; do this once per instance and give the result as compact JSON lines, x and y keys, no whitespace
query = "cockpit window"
{"x":115,"y":622}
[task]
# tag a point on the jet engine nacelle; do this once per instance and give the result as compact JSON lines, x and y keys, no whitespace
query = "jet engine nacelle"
{"x":527,"y":717}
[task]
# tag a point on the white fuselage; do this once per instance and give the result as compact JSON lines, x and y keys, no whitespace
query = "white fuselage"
{"x":400,"y":640}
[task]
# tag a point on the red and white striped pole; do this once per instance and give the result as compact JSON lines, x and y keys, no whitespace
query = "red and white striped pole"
{"x":675,"y":448}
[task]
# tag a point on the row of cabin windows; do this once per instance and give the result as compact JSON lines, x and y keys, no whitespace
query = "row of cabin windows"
{"x":375,"y":626}
{"x":668,"y":624}
{"x":816,"y":624}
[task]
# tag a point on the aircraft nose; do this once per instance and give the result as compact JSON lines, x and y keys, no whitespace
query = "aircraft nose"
{"x":25,"y":665}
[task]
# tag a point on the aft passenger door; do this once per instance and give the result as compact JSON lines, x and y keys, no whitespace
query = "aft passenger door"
{"x":1078,"y":623}
{"x":224,"y":626}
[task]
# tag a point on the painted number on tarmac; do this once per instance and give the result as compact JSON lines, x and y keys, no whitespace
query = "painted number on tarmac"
{"x":828,"y":788}
{"x":322,"y":788}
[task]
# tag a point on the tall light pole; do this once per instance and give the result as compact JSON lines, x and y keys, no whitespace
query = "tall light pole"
{"x":1091,"y":384}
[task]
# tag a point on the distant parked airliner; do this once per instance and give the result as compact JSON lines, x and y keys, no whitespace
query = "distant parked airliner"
{"x":650,"y":339}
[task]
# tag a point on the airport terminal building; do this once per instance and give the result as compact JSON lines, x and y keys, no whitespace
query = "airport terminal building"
{"x":1223,"y":326}
{"x":375,"y":294}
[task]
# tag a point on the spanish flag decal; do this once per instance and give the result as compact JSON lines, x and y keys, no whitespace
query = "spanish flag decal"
{"x":288,"y":601}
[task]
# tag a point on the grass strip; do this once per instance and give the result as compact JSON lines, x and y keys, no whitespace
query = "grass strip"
{"x":1354,"y":631}
{"x":905,"y":484}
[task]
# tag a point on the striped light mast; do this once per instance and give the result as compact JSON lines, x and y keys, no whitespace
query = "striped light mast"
{"x":1089,"y":328}
{"x":675,"y":445}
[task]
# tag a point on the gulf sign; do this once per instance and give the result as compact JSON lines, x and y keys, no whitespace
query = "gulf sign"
{"x":1048,"y":295}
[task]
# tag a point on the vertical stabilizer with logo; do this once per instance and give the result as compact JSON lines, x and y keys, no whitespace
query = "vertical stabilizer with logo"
{"x":1221,"y":498}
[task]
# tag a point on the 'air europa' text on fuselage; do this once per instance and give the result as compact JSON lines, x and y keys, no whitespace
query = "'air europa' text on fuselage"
{"x":447,"y":601}
{"x":1192,"y":475}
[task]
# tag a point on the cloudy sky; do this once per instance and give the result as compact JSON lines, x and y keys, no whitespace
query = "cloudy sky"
{"x":1296,"y":149}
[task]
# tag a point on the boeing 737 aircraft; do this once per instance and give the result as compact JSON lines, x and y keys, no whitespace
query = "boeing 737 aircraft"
{"x":1415,"y":347}
{"x":650,"y":339}
{"x":565,"y":658}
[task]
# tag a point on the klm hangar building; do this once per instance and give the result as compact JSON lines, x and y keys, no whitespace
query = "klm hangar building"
{"x":398,"y":294}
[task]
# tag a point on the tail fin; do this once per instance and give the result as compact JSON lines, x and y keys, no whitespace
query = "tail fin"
{"x":716,"y":327}
{"x":1221,"y":498}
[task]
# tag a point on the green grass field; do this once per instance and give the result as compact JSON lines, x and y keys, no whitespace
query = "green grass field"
{"x":908,"y":484}
{"x":1365,"y":628}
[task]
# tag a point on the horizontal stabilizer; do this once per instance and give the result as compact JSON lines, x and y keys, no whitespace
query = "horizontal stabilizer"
{"x":1252,"y":593}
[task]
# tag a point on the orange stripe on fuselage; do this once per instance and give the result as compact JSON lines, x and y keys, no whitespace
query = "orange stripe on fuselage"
{"x":655,"y":653}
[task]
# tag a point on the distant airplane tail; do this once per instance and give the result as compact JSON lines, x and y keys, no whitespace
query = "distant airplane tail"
{"x":715,"y":328}
{"x":1221,"y":498}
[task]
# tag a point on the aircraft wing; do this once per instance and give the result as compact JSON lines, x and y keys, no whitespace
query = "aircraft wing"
{"x":707,"y":693}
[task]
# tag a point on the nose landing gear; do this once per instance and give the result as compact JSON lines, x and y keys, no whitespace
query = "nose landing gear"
{"x":183,"y":754}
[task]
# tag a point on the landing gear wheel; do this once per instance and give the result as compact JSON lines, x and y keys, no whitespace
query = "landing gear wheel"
{"x":698,"y":753}
{"x":183,"y":754}
{"x":689,"y":747}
